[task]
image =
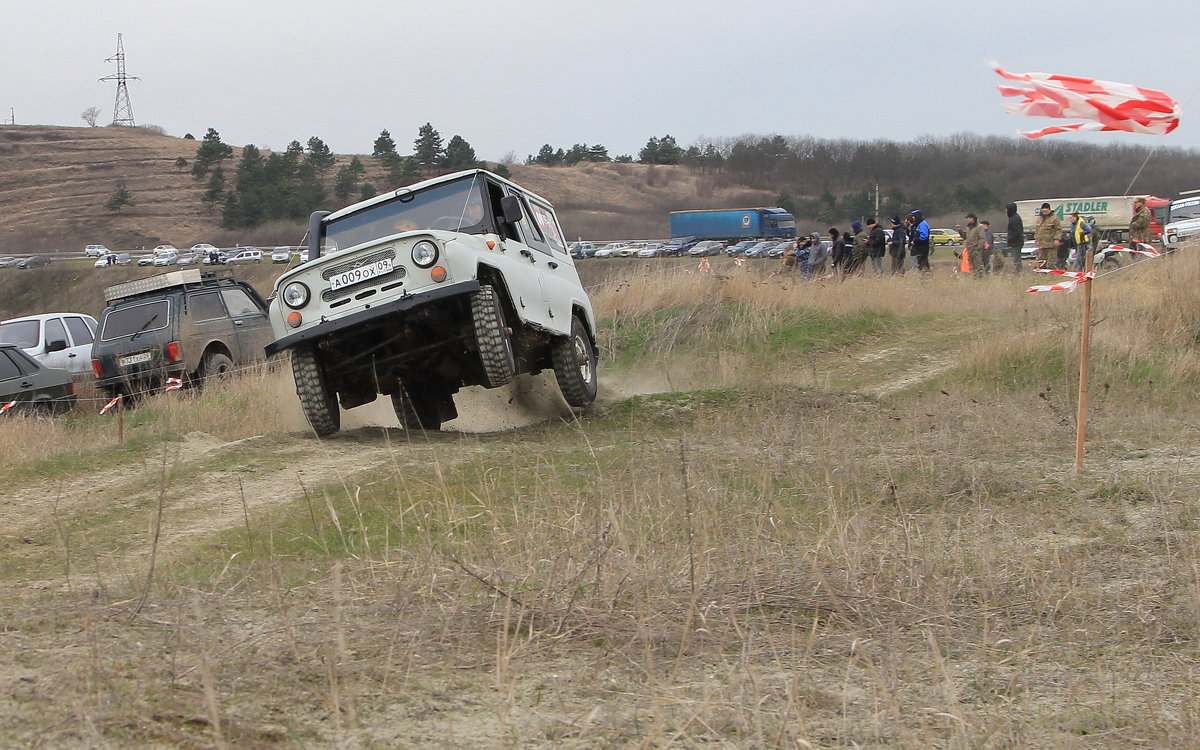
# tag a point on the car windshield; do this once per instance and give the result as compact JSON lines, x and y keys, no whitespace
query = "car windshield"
{"x":23,"y":333}
{"x":1189,"y":209}
{"x":454,"y":206}
{"x":126,"y":321}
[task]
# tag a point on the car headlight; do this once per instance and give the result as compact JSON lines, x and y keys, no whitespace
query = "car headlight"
{"x":295,"y":295}
{"x":424,"y":254}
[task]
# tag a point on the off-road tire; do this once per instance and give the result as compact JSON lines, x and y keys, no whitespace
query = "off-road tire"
{"x":417,"y":410}
{"x":215,"y":366}
{"x":574,"y":360}
{"x":492,"y":338}
{"x":317,"y":399}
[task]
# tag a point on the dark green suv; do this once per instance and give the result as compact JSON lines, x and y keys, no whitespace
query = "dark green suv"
{"x":193,"y":325}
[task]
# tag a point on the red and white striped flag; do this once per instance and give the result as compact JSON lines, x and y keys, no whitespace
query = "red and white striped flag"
{"x":173,"y":384}
{"x":8,"y":406}
{"x":1106,"y":104}
{"x":1065,"y":286}
{"x":110,"y":405}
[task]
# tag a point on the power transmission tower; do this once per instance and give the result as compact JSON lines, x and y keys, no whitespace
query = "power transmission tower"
{"x":122,"y":109}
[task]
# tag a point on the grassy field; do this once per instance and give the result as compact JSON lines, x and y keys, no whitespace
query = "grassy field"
{"x":803,"y":515}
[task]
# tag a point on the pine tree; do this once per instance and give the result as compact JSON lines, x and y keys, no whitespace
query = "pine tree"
{"x":459,"y":154}
{"x":428,"y":149}
{"x":211,"y":150}
{"x":119,"y":198}
{"x":214,"y":191}
{"x":319,"y":155}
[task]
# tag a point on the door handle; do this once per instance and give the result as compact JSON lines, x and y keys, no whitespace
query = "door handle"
{"x":552,"y":265}
{"x":527,"y":253}
{"x":72,"y":355}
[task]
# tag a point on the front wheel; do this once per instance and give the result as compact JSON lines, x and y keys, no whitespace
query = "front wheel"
{"x":574,"y":360}
{"x":492,"y":338}
{"x":317,"y":398}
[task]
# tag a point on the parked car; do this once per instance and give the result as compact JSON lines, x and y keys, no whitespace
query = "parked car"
{"x":8,"y":262}
{"x":62,"y":340}
{"x":114,"y":259}
{"x":166,"y":257}
{"x":631,"y":250}
{"x":281,"y":255}
{"x":943,"y":237}
{"x":189,"y":324}
{"x":146,"y":260}
{"x":582,"y":249}
{"x":252,"y":255}
{"x":707,"y":247}
{"x":222,"y":257}
{"x":779,"y":248}
{"x":759,"y":249}
{"x":740,"y":247}
{"x":35,"y":388}
{"x":679,"y":245}
{"x":96,"y":251}
{"x":34,"y":261}
{"x":651,"y":250}
{"x":610,"y":250}
{"x":203,"y":248}
{"x":188,"y":258}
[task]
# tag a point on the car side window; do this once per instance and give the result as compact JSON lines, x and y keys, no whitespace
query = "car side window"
{"x":206,"y":306}
{"x":547,"y":226}
{"x":8,"y":368}
{"x":55,"y":331}
{"x":81,"y":332}
{"x":239,"y":303}
{"x":531,"y":233}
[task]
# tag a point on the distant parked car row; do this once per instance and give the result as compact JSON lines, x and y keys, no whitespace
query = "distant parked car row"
{"x":199,"y":254}
{"x":680,"y":246}
{"x":33,"y":261}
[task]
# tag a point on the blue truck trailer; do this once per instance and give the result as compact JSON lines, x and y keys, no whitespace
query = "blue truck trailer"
{"x":733,"y":224}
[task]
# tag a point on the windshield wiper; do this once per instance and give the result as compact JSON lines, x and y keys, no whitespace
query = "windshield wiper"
{"x":145,"y":325}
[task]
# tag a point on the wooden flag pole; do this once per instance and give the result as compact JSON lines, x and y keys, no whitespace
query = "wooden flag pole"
{"x":1085,"y":335}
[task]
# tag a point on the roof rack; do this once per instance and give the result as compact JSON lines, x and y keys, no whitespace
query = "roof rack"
{"x":163,"y":281}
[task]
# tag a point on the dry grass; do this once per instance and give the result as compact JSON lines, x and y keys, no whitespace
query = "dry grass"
{"x":788,"y":559}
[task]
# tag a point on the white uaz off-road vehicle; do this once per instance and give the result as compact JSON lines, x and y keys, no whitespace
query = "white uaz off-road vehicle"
{"x":460,"y":280}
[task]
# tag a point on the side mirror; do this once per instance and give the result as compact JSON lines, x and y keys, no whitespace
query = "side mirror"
{"x":57,"y":345}
{"x":510,"y":205}
{"x":314,"y":234}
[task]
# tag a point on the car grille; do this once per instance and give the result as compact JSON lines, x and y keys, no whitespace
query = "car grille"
{"x":398,"y":272}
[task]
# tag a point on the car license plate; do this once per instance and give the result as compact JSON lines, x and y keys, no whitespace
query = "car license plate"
{"x":362,"y":273}
{"x":134,"y":359}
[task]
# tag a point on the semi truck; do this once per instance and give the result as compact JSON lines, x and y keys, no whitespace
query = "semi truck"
{"x":1112,"y":212}
{"x":733,"y":224}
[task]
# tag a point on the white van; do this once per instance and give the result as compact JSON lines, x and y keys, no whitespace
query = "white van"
{"x":61,"y":340}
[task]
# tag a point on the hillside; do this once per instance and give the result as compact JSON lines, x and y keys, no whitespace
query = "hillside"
{"x":56,"y":180}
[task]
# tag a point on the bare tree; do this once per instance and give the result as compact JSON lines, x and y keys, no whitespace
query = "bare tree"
{"x":90,"y":116}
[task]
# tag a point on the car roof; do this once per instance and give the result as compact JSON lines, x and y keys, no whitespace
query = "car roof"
{"x":45,"y":316}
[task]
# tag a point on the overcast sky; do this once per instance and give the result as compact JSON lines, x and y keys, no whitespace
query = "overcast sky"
{"x":510,"y":76}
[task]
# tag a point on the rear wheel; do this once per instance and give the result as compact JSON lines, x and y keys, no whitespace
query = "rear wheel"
{"x":215,"y":366}
{"x":492,"y":338}
{"x":574,"y":360}
{"x":317,"y":398}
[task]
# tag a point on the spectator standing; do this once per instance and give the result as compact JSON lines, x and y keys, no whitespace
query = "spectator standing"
{"x":1139,"y":225}
{"x":877,"y":241}
{"x":1081,"y":240}
{"x":1046,"y":234}
{"x":837,"y":251}
{"x":1015,"y":240}
{"x":816,"y":256}
{"x":859,"y":250}
{"x":920,"y":241}
{"x":896,"y":246}
{"x":974,"y":245}
{"x":989,"y":248}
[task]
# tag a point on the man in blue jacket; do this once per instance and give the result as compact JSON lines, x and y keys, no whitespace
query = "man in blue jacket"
{"x":920,"y":241}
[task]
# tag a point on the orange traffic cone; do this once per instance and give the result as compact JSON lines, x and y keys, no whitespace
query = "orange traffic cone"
{"x":964,"y":265}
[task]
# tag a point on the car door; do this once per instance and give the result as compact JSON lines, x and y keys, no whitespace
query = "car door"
{"x":208,"y":321}
{"x":250,"y":323}
{"x":53,"y":330}
{"x":82,"y":330}
{"x":11,"y":377}
{"x":557,"y":278}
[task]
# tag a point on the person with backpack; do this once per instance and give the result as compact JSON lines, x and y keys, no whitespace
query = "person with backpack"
{"x":858,"y":248}
{"x":920,"y":241}
{"x":876,"y":245}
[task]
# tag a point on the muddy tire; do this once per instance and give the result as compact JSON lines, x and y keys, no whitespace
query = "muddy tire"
{"x":492,"y":338}
{"x":214,"y":367}
{"x":317,"y":398}
{"x":417,"y":409}
{"x":574,"y":360}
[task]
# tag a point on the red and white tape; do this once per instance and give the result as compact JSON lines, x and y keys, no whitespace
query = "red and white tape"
{"x":173,"y":384}
{"x":8,"y":406}
{"x":705,"y":266}
{"x":1065,"y":286}
{"x":110,"y":405}
{"x":1139,"y":248}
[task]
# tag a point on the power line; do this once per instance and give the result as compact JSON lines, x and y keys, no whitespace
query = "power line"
{"x":122,"y":109}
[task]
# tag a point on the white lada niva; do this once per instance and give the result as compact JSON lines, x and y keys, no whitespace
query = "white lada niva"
{"x":455,"y":281}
